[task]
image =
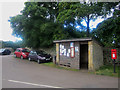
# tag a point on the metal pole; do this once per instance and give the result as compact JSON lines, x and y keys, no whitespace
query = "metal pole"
{"x":114,"y":66}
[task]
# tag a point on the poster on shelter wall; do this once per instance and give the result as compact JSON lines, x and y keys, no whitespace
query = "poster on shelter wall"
{"x":71,"y":44}
{"x":60,"y":46}
{"x":76,"y":49}
{"x":61,"y":49}
{"x":64,"y":52}
{"x":67,"y":54}
{"x":72,"y":52}
{"x":69,"y":51}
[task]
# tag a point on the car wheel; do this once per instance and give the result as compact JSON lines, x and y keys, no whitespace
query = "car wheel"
{"x":38,"y":61}
{"x":21,"y":57}
{"x":29,"y":59}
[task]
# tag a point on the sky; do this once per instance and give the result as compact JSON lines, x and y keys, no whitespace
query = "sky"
{"x":9,"y":9}
{"x":93,"y":24}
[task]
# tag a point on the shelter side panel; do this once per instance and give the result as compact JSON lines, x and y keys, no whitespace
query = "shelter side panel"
{"x":69,"y":54}
{"x":97,"y":55}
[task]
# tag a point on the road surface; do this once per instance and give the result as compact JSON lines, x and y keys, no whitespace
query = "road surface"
{"x":17,"y":73}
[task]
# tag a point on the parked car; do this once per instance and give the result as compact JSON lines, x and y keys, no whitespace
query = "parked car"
{"x":22,"y":53}
{"x":5,"y":52}
{"x":39,"y":56}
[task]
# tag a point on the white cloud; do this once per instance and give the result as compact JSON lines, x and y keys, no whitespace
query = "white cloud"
{"x":78,"y":27}
{"x":93,"y":24}
{"x":13,"y":0}
{"x":7,"y":10}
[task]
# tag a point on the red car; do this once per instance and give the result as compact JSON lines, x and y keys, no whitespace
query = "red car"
{"x":22,"y":53}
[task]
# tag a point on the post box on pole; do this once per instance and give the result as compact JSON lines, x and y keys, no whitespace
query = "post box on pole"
{"x":113,"y":53}
{"x":114,"y":56}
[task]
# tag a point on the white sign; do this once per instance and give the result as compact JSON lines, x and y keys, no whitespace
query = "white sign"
{"x":68,"y":50}
{"x":62,"y":46}
{"x":67,"y":54}
{"x":71,"y":44}
{"x":64,"y":52}
{"x":72,"y":52}
{"x":76,"y":49}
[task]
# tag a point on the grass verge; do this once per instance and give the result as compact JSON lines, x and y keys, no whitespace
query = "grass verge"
{"x":107,"y":70}
{"x":51,"y":64}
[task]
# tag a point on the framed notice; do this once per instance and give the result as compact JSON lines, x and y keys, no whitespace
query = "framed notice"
{"x":72,"y":52}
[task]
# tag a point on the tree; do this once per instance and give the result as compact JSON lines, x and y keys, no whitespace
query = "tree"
{"x":10,"y":44}
{"x":72,"y":12}
{"x":108,"y":32}
{"x":17,"y":25}
{"x":37,"y":25}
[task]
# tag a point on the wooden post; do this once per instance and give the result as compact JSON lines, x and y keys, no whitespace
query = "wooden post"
{"x":57,"y":53}
{"x":90,"y":55}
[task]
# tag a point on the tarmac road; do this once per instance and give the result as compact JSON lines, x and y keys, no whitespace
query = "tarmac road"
{"x":17,"y":73}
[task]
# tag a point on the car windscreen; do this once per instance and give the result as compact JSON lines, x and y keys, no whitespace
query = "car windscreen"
{"x":1,"y":50}
{"x":41,"y":52}
{"x":25,"y":50}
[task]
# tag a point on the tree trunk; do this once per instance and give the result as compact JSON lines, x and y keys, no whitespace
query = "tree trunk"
{"x":88,"y":21}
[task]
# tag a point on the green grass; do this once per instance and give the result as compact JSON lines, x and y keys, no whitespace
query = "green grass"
{"x":107,"y":70}
{"x":51,"y":64}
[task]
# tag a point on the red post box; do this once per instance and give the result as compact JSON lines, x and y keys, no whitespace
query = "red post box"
{"x":114,"y":56}
{"x":113,"y":53}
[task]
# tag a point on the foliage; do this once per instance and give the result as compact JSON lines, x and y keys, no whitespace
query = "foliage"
{"x":42,"y":22}
{"x":37,"y":25}
{"x":108,"y":32}
{"x":10,"y":44}
{"x":76,"y":12}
